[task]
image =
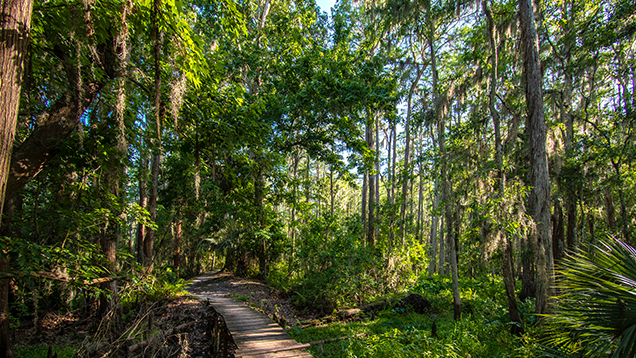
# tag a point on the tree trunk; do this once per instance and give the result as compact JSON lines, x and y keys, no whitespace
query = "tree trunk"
{"x":371,"y":182}
{"x":507,"y":264}
{"x":420,"y":201}
{"x":558,"y":238}
{"x":451,"y":236}
{"x":407,"y":154}
{"x":141,"y":228}
{"x":528,"y":286}
{"x":156,"y":37}
{"x":609,"y":210}
{"x":364,"y":205}
{"x":442,"y":250}
{"x":434,"y":224}
{"x":571,"y":215}
{"x":318,"y":189}
{"x":332,"y":196}
{"x":14,"y":40}
{"x":539,"y":200}
{"x":293,"y":225}
{"x":259,"y":195}
{"x":177,"y":247}
{"x":149,"y":240}
{"x":624,"y":215}
{"x":392,"y":196}
{"x":377,"y":172}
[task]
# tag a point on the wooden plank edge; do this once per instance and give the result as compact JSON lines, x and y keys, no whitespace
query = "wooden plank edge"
{"x":240,"y":354}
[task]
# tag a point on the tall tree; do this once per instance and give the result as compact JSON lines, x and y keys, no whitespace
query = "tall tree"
{"x":507,"y":263}
{"x":159,"y":112}
{"x":15,"y":20}
{"x":539,"y":201}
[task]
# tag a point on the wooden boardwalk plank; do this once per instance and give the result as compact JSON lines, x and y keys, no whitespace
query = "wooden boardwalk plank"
{"x":255,"y":334}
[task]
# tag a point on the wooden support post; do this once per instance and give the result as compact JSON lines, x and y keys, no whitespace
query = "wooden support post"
{"x":225,"y":339}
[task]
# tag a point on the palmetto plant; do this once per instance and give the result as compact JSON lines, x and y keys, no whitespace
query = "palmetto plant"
{"x":597,"y":305}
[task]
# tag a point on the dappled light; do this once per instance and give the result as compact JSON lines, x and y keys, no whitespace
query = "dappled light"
{"x":394,"y":178}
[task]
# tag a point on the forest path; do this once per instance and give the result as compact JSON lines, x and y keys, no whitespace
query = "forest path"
{"x":255,"y":334}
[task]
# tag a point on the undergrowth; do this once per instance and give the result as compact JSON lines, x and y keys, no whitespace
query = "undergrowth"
{"x":483,"y":331}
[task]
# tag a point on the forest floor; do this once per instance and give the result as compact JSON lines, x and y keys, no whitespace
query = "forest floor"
{"x":69,"y":333}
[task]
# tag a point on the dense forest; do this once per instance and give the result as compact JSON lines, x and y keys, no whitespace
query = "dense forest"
{"x":480,"y":148}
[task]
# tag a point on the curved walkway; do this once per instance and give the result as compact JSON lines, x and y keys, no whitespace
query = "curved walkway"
{"x":254,"y":333}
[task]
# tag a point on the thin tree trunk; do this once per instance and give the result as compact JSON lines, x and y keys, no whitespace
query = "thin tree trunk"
{"x":259,"y":195}
{"x":364,"y":206}
{"x":377,"y":171}
{"x":539,"y":200}
{"x":332,"y":195}
{"x":420,"y":202}
{"x":570,"y":235}
{"x":407,"y":154}
{"x":152,"y":210}
{"x":141,"y":228}
{"x":156,"y":37}
{"x":293,"y":214}
{"x":177,"y":247}
{"x":558,"y":237}
{"x":452,"y":224}
{"x":434,"y":224}
{"x":624,"y":215}
{"x":392,"y":201}
{"x":371,"y":183}
{"x":609,"y":210}
{"x":442,"y":250}
{"x":318,"y":188}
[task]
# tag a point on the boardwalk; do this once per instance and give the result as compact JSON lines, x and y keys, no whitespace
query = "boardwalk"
{"x":255,"y":334}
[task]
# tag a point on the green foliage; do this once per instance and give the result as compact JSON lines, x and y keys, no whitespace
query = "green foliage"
{"x":147,"y":288}
{"x":41,"y":351}
{"x":595,"y":315}
{"x":393,"y":333}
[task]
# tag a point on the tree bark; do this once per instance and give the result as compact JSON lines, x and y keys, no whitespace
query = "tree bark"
{"x":14,"y":40}
{"x":407,"y":149}
{"x":141,"y":228}
{"x":157,"y":38}
{"x":609,"y":210}
{"x":364,"y":205}
{"x":539,"y":200}
{"x":293,"y":225}
{"x":558,"y":237}
{"x":177,"y":246}
{"x":442,"y":250}
{"x":371,"y":182}
{"x":507,"y":263}
{"x":420,"y":197}
{"x":392,"y":196}
{"x":434,"y":225}
{"x":452,"y":235}
{"x":149,"y":240}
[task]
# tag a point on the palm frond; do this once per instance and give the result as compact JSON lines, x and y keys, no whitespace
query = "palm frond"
{"x":597,"y":310}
